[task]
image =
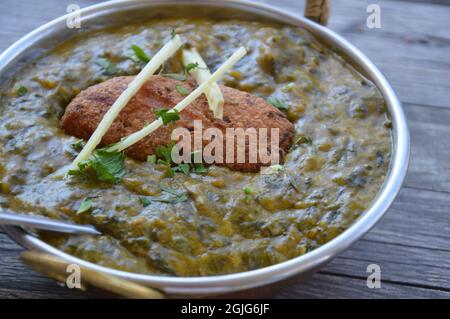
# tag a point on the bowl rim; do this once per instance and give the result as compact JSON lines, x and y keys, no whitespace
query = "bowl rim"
{"x":208,"y":285}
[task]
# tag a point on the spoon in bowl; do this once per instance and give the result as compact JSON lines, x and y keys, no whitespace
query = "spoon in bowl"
{"x":43,"y":223}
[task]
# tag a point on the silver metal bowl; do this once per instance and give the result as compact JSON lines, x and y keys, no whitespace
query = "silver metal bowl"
{"x":120,"y":12}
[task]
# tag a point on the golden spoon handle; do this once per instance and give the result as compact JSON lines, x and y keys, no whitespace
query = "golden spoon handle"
{"x":56,"y":268}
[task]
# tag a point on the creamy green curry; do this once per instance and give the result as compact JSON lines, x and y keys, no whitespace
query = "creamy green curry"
{"x":213,"y":221}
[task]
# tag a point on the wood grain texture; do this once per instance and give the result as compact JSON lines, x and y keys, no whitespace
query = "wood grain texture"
{"x":323,"y":285}
{"x":412,"y":243}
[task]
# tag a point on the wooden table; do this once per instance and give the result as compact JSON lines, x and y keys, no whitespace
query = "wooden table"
{"x":412,"y":243}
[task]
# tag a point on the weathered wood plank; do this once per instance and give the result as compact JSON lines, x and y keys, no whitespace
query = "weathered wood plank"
{"x":322,"y":285}
{"x":6,"y":243}
{"x":58,"y":293}
{"x":430,"y":153}
{"x":399,"y":264}
{"x":418,"y":218}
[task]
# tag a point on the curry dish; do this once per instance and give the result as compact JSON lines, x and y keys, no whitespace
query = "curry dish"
{"x":206,"y":220}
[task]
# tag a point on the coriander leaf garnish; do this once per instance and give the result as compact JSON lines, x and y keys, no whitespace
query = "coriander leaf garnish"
{"x":175,"y":197}
{"x":78,"y":145}
{"x":182,"y":90}
{"x":279,"y":104}
{"x":173,"y":33}
{"x":183,"y":168}
{"x":140,"y":54}
{"x":109,"y":166}
{"x":182,"y":77}
{"x":301,"y":140}
{"x":164,"y":157}
{"x":167,"y":116}
{"x":107,"y":66}
{"x":191,"y":66}
{"x":198,"y":168}
{"x":175,"y":76}
{"x":164,"y":153}
{"x":85,"y":206}
{"x":105,"y":166}
{"x":22,"y":90}
{"x":151,"y":159}
{"x":248,"y":191}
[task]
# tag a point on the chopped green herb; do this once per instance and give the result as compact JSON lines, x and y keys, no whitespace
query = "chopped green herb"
{"x":85,"y":206}
{"x":108,"y":67}
{"x":288,"y":87}
{"x":175,"y":198}
{"x":182,"y":77}
{"x":173,"y":33}
{"x":183,"y":168}
{"x":179,"y":77}
{"x":301,"y":140}
{"x":22,"y":90}
{"x":164,"y":156}
{"x":167,"y":116}
{"x":164,"y":153}
{"x":151,"y":159}
{"x":170,"y":171}
{"x":104,"y":166}
{"x":279,"y":104}
{"x":78,"y":145}
{"x":198,"y":168}
{"x":248,"y":190}
{"x":140,"y":54}
{"x":191,"y":66}
{"x":182,"y":90}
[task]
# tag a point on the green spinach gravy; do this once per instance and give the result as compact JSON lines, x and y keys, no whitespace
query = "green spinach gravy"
{"x":210,"y":223}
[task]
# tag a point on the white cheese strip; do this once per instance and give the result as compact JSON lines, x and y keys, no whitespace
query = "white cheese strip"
{"x":137,"y":136}
{"x":158,"y":59}
{"x":201,"y":74}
